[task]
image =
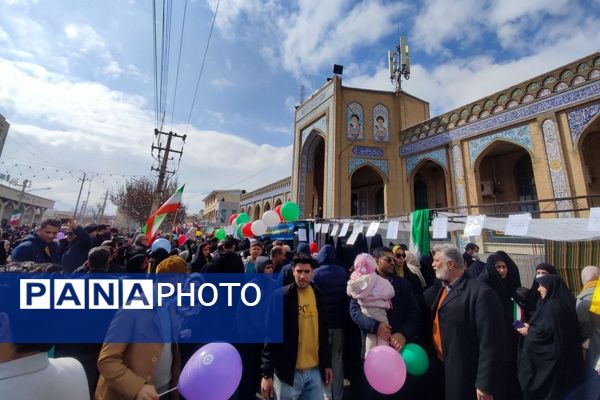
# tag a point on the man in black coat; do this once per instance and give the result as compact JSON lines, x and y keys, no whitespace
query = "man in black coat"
{"x":302,"y":362}
{"x":467,"y":331}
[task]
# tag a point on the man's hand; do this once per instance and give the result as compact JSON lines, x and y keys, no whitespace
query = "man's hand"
{"x":384,"y":331}
{"x":398,"y":341}
{"x":147,"y":392}
{"x":266,"y":388}
{"x":484,"y":396}
{"x":524,"y":330}
{"x":328,"y":376}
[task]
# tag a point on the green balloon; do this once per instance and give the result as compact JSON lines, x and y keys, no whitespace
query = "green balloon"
{"x":242,"y":218}
{"x":220,"y":234}
{"x":290,"y":211}
{"x":239,"y":230}
{"x":415,"y":358}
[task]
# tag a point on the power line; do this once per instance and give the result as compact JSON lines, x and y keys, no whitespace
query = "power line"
{"x":212,"y":26}
{"x":259,"y":172}
{"x":155,"y":65}
{"x":178,"y":63}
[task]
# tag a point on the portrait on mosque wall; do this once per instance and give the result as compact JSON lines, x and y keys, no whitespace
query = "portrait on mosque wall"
{"x":381,"y":131}
{"x":355,"y":121}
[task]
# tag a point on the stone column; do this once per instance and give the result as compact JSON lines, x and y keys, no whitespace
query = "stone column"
{"x":459,"y":177}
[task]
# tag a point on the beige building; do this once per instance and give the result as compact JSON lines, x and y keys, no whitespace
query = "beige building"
{"x":219,"y":205}
{"x":366,"y":152}
{"x":33,"y":206}
{"x":266,"y":198}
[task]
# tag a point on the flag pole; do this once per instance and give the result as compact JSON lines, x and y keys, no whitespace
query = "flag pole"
{"x":175,"y":219}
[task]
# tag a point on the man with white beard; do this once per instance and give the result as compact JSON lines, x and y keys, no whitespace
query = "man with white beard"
{"x":467,"y":333}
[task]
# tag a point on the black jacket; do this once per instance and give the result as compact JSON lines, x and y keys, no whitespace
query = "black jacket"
{"x":472,"y":333}
{"x":331,"y":279}
{"x":280,"y":358}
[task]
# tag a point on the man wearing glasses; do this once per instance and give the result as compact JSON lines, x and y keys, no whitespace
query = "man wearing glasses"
{"x":403,"y":317}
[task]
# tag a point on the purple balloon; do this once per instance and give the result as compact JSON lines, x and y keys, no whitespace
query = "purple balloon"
{"x":212,"y":373}
{"x":60,"y":236}
{"x":385,"y":369}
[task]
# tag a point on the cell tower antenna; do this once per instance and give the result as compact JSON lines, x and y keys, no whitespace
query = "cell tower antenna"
{"x":399,"y":63}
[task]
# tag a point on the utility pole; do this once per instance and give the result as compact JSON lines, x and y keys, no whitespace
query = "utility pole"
{"x":26,"y":184}
{"x":79,"y":196}
{"x":163,"y":160}
{"x":103,"y":207}
{"x":85,"y":203}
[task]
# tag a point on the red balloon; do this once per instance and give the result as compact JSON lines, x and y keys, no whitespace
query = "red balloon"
{"x":181,"y":240}
{"x":232,"y":218}
{"x":247,"y":229}
{"x":278,"y":211}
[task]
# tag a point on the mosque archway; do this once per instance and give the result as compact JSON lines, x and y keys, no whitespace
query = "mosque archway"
{"x":367,"y":192}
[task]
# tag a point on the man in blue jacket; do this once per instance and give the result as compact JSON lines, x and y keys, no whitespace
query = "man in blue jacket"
{"x":40,"y":247}
{"x":331,"y":279}
{"x":403,"y":317}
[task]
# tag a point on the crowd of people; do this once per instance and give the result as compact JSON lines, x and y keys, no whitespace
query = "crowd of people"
{"x":487,"y":337}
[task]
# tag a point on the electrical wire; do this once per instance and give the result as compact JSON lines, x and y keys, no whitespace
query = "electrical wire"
{"x":178,"y":63}
{"x":212,"y":26}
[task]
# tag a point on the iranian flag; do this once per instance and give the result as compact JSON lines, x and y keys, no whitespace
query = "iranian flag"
{"x":170,"y":206}
{"x":419,"y":232}
{"x":518,"y":314}
{"x":15,"y":217}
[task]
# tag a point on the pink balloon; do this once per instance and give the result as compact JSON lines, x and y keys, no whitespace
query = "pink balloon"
{"x":385,"y":369}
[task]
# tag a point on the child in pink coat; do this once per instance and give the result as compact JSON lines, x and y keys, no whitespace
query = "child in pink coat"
{"x":373,"y":294}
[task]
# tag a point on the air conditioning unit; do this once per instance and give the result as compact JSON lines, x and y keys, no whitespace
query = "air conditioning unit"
{"x":487,"y":188}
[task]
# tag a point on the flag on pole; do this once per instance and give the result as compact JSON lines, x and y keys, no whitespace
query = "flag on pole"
{"x":15,"y":217}
{"x":170,"y":206}
{"x":419,"y":232}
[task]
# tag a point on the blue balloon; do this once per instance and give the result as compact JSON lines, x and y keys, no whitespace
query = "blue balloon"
{"x":161,"y":243}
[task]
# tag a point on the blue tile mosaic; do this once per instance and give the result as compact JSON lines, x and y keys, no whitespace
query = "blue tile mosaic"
{"x":512,"y":116}
{"x":368,"y":151}
{"x":354,"y":163}
{"x":439,"y":156}
{"x":579,"y":118}
{"x":520,"y":135}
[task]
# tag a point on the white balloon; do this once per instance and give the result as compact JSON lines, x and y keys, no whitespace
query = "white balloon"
{"x":259,"y":228}
{"x":271,"y":219}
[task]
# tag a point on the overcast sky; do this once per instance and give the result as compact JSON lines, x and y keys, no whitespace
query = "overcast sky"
{"x":77,"y":77}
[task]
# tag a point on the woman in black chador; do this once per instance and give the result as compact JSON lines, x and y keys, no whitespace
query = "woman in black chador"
{"x":550,"y":359}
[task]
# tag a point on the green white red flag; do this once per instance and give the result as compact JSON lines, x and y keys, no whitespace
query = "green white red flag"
{"x":170,"y":206}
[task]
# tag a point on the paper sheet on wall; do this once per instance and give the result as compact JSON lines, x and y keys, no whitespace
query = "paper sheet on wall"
{"x":372,"y":229}
{"x":518,"y":224}
{"x":325,"y":228}
{"x":302,"y":235}
{"x":392,"y":230}
{"x":594,"y":219}
{"x":344,"y":230}
{"x":317,"y":228}
{"x":356,"y":230}
{"x":334,"y":229}
{"x":474,"y":225}
{"x":440,"y":227}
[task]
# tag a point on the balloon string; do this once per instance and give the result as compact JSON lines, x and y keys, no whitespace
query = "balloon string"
{"x":168,"y":391}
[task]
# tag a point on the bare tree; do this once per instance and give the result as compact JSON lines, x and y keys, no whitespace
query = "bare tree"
{"x":134,"y":198}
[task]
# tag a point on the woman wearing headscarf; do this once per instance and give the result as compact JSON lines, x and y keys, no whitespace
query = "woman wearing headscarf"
{"x":502,"y":276}
{"x":533,"y":297}
{"x":202,"y":257}
{"x":550,"y":359}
